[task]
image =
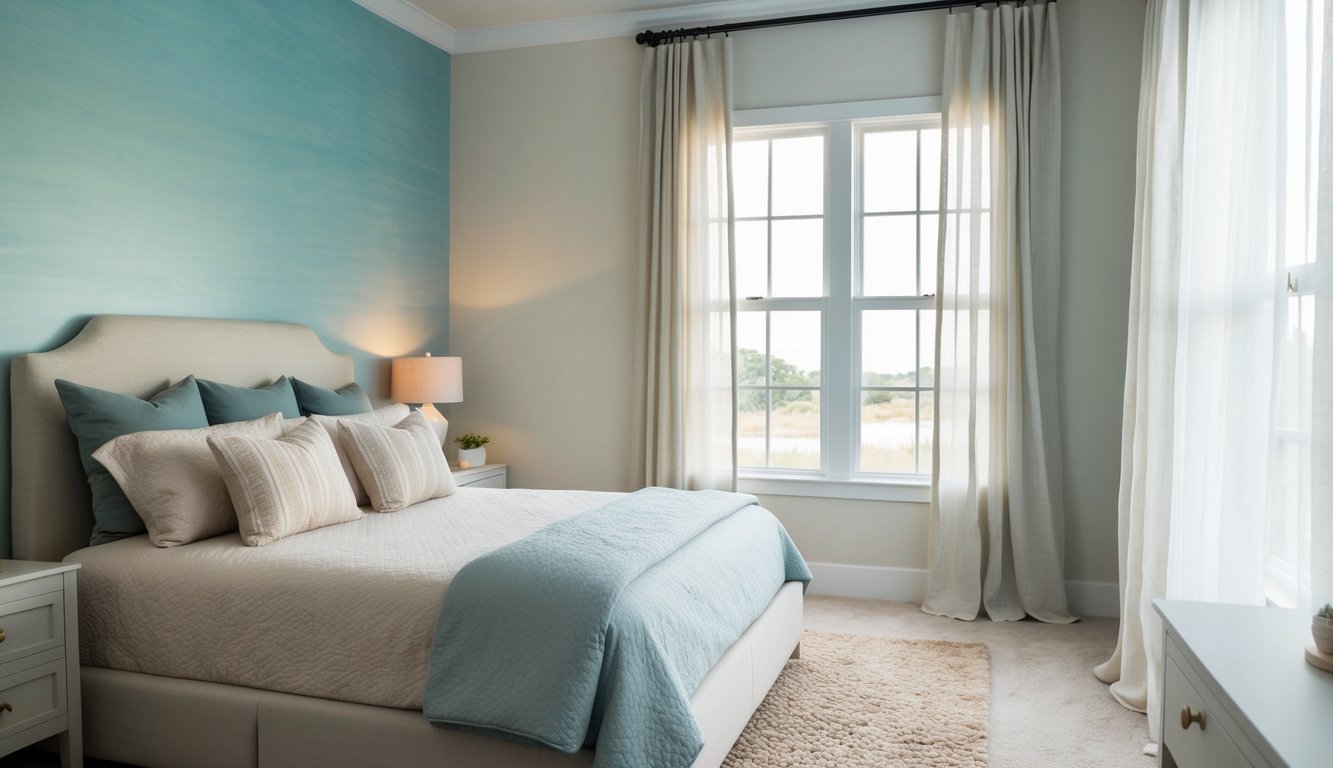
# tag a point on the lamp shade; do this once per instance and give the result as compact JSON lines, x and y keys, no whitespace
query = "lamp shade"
{"x":427,"y":379}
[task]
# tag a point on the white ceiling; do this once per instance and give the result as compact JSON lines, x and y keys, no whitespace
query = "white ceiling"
{"x":470,"y":26}
{"x":471,"y":14}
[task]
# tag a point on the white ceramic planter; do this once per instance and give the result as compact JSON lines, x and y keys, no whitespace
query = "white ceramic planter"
{"x":1322,"y":629}
{"x":475,"y":457}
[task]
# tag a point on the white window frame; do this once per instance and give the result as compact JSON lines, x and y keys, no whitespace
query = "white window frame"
{"x":1282,"y":581}
{"x":840,"y":374}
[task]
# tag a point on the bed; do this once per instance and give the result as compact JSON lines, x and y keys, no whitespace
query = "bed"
{"x":186,"y":716}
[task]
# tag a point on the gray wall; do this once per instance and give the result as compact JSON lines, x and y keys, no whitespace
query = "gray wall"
{"x":545,"y":177}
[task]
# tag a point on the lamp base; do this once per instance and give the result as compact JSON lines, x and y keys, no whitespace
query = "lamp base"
{"x":437,"y":421}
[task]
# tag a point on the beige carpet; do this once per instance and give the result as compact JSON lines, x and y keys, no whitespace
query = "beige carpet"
{"x":1047,"y":710}
{"x":854,"y":701}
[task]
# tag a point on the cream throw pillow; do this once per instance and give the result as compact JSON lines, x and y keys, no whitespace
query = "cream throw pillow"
{"x":386,"y":416}
{"x":284,"y":486}
{"x":398,"y":465}
{"x":173,"y":481}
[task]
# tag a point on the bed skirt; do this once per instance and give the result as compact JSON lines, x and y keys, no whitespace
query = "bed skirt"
{"x":162,"y":722}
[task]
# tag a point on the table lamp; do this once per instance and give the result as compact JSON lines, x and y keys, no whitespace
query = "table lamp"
{"x":428,"y":380}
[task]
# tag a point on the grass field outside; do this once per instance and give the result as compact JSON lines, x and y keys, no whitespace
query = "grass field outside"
{"x":889,"y":440}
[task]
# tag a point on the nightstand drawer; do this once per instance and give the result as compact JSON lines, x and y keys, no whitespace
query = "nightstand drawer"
{"x":1198,"y":746}
{"x":32,"y":696}
{"x":31,"y":625}
{"x":485,"y":476}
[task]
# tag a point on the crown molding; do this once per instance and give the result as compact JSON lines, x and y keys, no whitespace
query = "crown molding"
{"x":628,"y":24}
{"x":404,"y":14}
{"x":572,"y":30}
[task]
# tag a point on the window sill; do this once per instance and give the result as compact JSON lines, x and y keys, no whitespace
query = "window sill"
{"x":907,"y":490}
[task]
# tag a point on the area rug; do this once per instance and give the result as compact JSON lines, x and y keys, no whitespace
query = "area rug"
{"x":854,"y":701}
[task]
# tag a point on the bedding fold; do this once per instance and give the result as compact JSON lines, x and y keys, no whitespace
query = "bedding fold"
{"x":598,"y":628}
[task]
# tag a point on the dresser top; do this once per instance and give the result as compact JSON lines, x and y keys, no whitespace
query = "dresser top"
{"x":14,"y":571}
{"x":1254,"y":659}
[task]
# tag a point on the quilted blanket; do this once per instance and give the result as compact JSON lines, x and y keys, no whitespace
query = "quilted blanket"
{"x":598,"y":628}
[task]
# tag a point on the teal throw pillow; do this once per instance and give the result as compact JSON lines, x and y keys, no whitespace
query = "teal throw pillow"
{"x":322,"y":401}
{"x":227,"y":403}
{"x":96,"y":416}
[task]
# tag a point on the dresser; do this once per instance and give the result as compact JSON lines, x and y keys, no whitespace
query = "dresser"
{"x":1236,"y":690}
{"x":39,"y":657}
{"x":485,"y":476}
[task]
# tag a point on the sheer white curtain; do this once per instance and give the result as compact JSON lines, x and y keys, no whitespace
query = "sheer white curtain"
{"x":685,"y":380}
{"x":996,"y":524}
{"x":1215,"y":469}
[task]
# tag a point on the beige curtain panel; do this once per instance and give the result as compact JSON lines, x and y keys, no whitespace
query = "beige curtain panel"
{"x":997,"y":532}
{"x":685,"y":377}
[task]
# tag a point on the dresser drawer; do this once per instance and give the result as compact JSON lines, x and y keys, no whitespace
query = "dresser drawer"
{"x":33,"y":696}
{"x":1195,"y":747}
{"x":31,"y":625}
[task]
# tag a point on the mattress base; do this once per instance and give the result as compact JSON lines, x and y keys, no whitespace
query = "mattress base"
{"x":163,"y":722}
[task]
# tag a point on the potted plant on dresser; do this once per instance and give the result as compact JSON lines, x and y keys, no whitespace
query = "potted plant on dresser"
{"x":1322,"y":629}
{"x":471,"y":450}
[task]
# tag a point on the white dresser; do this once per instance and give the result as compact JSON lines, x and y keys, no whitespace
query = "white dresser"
{"x":39,"y":658}
{"x":1236,"y":690}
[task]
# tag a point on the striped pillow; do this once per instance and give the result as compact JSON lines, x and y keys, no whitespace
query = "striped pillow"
{"x":387,"y":416}
{"x":398,"y":465}
{"x":286,"y":485}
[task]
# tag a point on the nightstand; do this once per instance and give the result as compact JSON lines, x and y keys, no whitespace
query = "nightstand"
{"x":485,"y":476}
{"x":39,"y":658}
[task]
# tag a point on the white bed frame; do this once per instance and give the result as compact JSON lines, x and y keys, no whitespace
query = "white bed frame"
{"x":164,"y":722}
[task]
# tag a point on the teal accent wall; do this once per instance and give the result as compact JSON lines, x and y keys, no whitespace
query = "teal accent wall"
{"x":258,"y":159}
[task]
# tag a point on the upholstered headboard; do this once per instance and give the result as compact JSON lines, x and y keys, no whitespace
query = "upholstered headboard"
{"x":139,"y":356}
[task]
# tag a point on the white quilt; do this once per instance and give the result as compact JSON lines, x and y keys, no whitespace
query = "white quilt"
{"x":345,"y":612}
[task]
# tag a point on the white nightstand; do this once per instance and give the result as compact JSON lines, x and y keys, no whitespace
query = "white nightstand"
{"x":39,"y":658}
{"x":485,"y":476}
{"x":1237,"y":691}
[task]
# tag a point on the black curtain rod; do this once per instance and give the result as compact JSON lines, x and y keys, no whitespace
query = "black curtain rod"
{"x":651,"y":38}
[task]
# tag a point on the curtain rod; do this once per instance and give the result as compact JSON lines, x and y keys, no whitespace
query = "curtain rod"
{"x":653,"y":39}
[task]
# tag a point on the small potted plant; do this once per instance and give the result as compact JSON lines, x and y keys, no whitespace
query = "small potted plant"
{"x":472,"y":453}
{"x":1322,"y":629}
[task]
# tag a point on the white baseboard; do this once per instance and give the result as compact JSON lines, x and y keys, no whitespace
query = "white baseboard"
{"x":908,"y":585}
{"x":1093,"y":598}
{"x":902,"y":585}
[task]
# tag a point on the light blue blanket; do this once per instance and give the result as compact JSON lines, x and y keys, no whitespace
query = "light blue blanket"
{"x":598,"y":628}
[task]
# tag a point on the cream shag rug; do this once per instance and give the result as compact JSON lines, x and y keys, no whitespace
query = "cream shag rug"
{"x":854,"y":701}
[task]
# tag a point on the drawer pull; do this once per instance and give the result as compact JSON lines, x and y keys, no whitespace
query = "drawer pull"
{"x":2,"y":635}
{"x":6,"y":706}
{"x":1188,"y":718}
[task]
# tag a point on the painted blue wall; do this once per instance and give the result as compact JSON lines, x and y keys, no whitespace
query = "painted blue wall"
{"x":221,"y":158}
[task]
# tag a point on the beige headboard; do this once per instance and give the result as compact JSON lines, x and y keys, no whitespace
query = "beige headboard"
{"x":137,"y":356}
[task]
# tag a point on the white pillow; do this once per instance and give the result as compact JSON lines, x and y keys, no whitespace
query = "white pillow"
{"x":284,"y":486}
{"x":173,"y":481}
{"x":398,"y":465}
{"x":387,"y":416}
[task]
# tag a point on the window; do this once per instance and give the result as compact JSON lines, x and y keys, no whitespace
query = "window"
{"x":836,"y":231}
{"x":1290,"y":479}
